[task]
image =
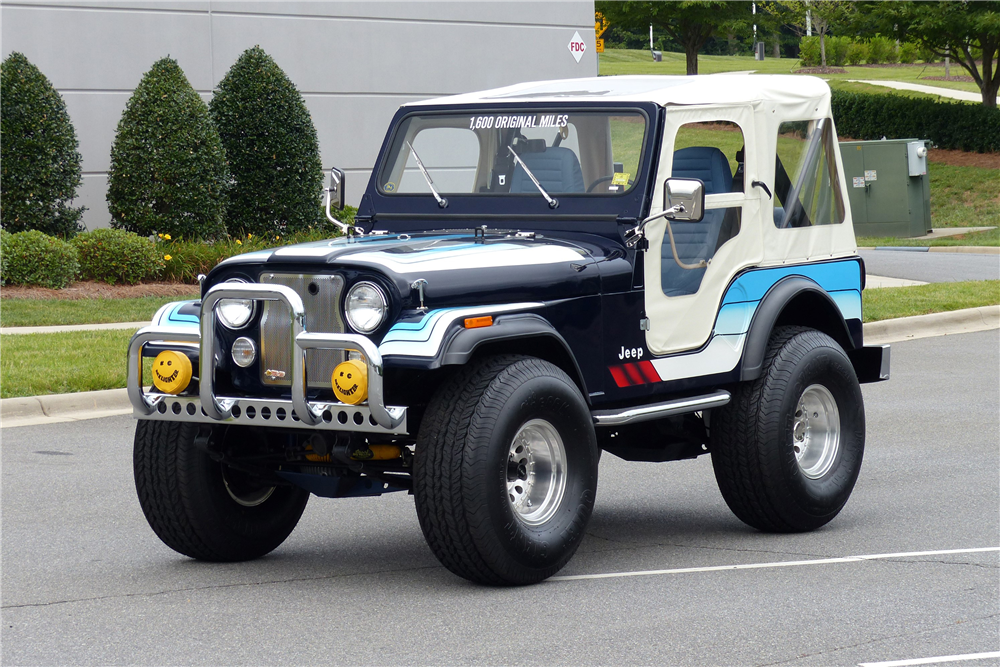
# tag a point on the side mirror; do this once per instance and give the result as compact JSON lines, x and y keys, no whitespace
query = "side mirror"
{"x":688,"y":195}
{"x":336,"y":188}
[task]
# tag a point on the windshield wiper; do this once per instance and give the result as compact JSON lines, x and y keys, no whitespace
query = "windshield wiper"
{"x":442,"y":202}
{"x":553,"y":203}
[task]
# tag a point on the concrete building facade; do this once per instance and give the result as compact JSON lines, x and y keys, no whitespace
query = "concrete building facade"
{"x":353,"y":62}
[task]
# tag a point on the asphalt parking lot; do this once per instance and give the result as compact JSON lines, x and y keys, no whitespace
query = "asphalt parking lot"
{"x":85,"y":581}
{"x":931,"y":267}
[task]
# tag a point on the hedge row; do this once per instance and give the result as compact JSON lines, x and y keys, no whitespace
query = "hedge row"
{"x":951,"y":125}
{"x":117,"y":256}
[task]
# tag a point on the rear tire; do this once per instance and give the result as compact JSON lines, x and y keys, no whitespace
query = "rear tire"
{"x":202,"y":508}
{"x":505,"y":471}
{"x":788,"y":447}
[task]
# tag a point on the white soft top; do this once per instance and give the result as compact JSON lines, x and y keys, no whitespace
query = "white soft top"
{"x":662,"y":90}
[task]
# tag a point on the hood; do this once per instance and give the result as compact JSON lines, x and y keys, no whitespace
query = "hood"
{"x":459,"y":267}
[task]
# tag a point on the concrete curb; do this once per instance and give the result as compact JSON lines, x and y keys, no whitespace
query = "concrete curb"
{"x":56,"y":408}
{"x":965,"y":249}
{"x":970,"y":249}
{"x":968,"y":320}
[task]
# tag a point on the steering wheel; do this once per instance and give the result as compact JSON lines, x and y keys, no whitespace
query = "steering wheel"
{"x":604,"y":179}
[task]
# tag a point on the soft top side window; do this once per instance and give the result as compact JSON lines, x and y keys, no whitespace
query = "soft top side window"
{"x":806,"y":182}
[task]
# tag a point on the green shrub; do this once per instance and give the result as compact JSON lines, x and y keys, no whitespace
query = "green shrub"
{"x":168,"y":167}
{"x":271,"y":145}
{"x":881,"y":50}
{"x":39,"y":160}
{"x":116,"y":256}
{"x":809,"y":51}
{"x":189,"y":258}
{"x":908,"y":53}
{"x":836,"y":50}
{"x":953,"y":125}
{"x":857,"y":53}
{"x":34,"y":258}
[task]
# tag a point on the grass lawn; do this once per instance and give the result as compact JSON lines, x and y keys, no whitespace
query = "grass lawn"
{"x":50,"y":312}
{"x":891,"y":302}
{"x":964,"y":196}
{"x":59,"y":363}
{"x":635,"y":61}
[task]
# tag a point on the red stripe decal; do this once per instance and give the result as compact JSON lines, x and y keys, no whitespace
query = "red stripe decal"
{"x":648,"y":371}
{"x":632,"y":370}
{"x":619,"y":376}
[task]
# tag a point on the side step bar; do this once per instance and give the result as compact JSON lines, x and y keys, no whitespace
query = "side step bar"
{"x":642,"y":413}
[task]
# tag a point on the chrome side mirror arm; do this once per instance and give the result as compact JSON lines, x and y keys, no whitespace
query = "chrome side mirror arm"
{"x":344,"y":227}
{"x":634,"y":235}
{"x":337,"y":185}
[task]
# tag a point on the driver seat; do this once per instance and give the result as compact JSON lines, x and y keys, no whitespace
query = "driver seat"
{"x":695,"y":241}
{"x":557,"y":169}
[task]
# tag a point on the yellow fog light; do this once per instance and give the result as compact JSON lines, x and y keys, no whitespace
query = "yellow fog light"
{"x":171,"y":372}
{"x":350,"y":381}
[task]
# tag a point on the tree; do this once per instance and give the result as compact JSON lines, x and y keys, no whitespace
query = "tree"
{"x":689,"y":23}
{"x":970,"y":29}
{"x":39,"y":161}
{"x":271,"y":144}
{"x":168,"y":167}
{"x":825,"y":15}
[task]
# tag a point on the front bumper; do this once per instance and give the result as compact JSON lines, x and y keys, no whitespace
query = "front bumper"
{"x":298,"y":412}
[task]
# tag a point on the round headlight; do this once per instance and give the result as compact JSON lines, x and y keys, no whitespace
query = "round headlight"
{"x":366,"y":306}
{"x":235,"y":313}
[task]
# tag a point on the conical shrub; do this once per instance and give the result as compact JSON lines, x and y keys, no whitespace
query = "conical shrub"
{"x":39,"y":160}
{"x":271,"y":145}
{"x":168,"y":168}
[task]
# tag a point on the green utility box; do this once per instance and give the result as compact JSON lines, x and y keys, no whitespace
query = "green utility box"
{"x":888,"y":186}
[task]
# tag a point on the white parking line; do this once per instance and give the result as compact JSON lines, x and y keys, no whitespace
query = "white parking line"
{"x":761,"y":566}
{"x":932,"y":661}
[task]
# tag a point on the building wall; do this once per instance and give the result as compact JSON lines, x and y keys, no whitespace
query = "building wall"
{"x":353,"y":62}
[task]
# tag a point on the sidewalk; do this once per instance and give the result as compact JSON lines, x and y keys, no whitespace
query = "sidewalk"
{"x":56,"y":408}
{"x":73,"y":327}
{"x":920,"y":88}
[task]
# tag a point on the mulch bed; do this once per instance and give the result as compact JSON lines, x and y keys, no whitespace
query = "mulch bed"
{"x":96,"y":290}
{"x":968,"y":79}
{"x":821,"y":70}
{"x":963,"y":159}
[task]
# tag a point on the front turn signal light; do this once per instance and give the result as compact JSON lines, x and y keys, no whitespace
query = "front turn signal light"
{"x":171,"y":372}
{"x":477,"y":322}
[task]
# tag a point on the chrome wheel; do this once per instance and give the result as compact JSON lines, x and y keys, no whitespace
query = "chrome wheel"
{"x":244,"y":489}
{"x":536,"y":472}
{"x":816,"y":431}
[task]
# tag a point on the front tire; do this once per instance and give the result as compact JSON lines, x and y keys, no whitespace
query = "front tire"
{"x":202,"y":508}
{"x":505,"y":471}
{"x":787,"y":449}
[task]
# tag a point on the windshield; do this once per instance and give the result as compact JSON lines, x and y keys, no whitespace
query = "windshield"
{"x":506,"y":152}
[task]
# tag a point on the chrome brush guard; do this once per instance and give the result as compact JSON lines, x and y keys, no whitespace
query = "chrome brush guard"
{"x":209,"y":408}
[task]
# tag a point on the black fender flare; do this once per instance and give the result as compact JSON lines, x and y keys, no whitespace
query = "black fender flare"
{"x":459,"y":348}
{"x":823,"y":315}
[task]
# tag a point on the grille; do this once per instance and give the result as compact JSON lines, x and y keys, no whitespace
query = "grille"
{"x":321,"y":296}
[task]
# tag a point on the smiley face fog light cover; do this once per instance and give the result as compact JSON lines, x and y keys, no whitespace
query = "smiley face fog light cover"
{"x":171,"y":372}
{"x":350,"y":381}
